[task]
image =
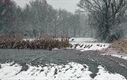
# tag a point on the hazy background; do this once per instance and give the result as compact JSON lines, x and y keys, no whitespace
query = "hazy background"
{"x":72,"y":18}
{"x":69,"y":5}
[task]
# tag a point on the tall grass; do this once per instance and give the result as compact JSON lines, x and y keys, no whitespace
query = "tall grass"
{"x":41,"y":43}
{"x":120,"y":45}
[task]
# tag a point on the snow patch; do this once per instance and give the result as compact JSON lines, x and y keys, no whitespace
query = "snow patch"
{"x":80,"y":39}
{"x":85,"y":44}
{"x":29,"y":39}
{"x":105,"y":75}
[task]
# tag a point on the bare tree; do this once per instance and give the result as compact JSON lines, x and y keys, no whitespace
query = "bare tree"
{"x":106,"y":15}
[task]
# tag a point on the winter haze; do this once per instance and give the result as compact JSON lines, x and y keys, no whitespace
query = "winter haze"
{"x":69,"y":5}
{"x":63,"y":39}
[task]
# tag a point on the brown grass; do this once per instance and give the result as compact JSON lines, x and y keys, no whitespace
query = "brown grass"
{"x":42,"y":43}
{"x":120,"y":45}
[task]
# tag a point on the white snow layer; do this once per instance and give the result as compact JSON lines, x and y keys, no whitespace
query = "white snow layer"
{"x":85,"y":44}
{"x":119,"y":56}
{"x":71,"y":71}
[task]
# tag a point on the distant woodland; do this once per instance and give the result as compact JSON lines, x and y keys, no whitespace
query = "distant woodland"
{"x":102,"y":19}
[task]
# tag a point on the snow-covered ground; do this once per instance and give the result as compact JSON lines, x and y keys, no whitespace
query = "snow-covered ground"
{"x":115,"y":53}
{"x":81,"y":39}
{"x":119,"y":56}
{"x":85,"y":44}
{"x":71,"y":71}
{"x":29,"y":39}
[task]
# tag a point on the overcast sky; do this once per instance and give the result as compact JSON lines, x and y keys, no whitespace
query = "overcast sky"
{"x":69,"y":5}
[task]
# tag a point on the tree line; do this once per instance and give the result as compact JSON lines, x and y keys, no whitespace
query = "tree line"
{"x":105,"y":17}
{"x":37,"y":19}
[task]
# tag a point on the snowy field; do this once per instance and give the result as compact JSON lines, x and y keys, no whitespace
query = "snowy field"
{"x":71,"y":71}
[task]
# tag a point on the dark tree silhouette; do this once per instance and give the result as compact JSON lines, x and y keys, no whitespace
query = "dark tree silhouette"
{"x":106,"y":15}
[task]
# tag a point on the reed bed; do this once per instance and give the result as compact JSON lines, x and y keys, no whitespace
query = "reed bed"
{"x":41,"y":43}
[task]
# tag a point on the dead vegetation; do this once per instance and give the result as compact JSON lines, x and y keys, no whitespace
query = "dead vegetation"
{"x":41,"y":43}
{"x":120,"y":45}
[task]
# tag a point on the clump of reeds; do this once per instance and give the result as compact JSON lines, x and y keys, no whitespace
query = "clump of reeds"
{"x":41,"y":43}
{"x":120,"y":45}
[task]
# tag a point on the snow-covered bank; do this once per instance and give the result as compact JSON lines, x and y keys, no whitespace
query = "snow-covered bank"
{"x":122,"y":56}
{"x":115,"y":53}
{"x":70,"y":71}
{"x":119,"y":56}
{"x":85,"y":44}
